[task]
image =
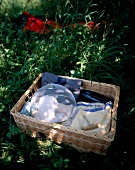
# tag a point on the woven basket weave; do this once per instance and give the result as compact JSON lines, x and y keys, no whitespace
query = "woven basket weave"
{"x":83,"y":141}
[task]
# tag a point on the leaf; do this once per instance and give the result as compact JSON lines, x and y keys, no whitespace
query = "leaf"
{"x":1,"y":110}
{"x":9,"y":135}
{"x":58,"y":164}
{"x":66,"y":162}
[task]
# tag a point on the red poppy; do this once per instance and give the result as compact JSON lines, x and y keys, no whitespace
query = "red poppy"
{"x":39,"y":26}
{"x":36,"y":25}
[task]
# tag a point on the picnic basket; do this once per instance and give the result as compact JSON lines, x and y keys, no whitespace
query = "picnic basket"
{"x":83,"y":141}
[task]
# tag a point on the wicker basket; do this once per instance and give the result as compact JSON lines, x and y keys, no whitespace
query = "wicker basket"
{"x":81,"y":140}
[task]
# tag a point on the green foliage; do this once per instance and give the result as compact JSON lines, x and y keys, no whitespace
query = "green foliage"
{"x":104,"y":55}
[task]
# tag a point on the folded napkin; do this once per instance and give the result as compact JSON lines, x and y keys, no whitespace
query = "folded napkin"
{"x":74,"y":85}
{"x":99,"y":117}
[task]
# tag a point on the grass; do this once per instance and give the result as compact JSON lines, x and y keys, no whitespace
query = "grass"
{"x":104,"y":55}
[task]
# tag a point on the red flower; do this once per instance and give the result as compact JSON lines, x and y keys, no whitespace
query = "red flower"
{"x":39,"y":26}
{"x":26,"y":13}
{"x":53,"y":24}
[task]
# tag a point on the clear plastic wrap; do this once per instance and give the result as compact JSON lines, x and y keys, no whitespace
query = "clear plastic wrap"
{"x":51,"y":103}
